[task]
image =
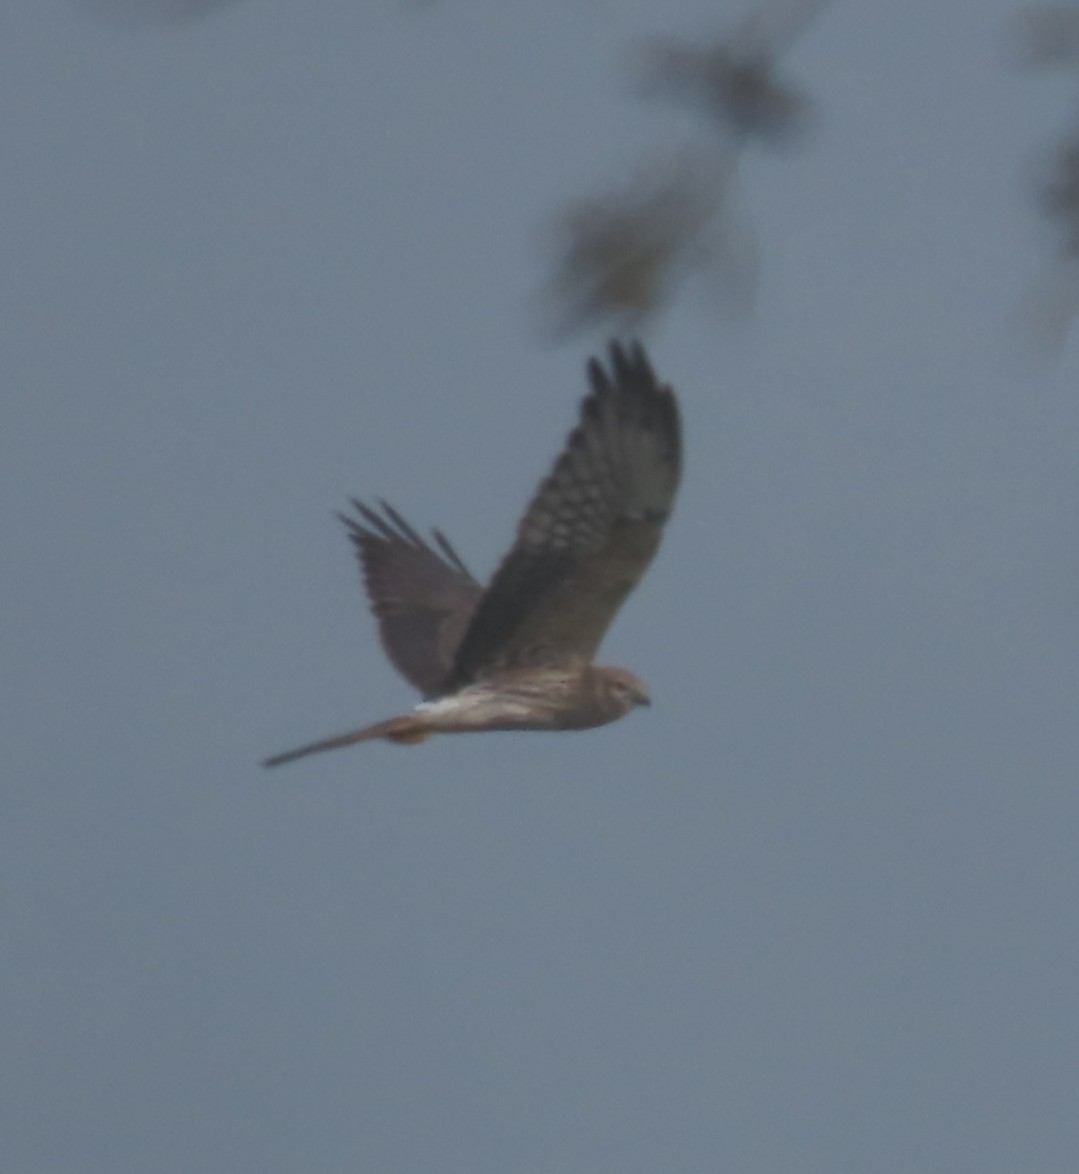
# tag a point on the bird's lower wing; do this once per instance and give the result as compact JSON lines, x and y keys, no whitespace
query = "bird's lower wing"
{"x":423,"y":597}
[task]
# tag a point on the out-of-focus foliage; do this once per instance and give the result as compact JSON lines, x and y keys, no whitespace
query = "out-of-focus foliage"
{"x":1048,"y":36}
{"x":1060,"y":196}
{"x":742,"y":93}
{"x":619,"y":259}
{"x":735,"y":79}
{"x":1048,"y":310}
{"x":620,"y":256}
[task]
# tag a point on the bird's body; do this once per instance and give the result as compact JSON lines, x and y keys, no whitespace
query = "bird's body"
{"x":518,"y":655}
{"x":522,"y":699}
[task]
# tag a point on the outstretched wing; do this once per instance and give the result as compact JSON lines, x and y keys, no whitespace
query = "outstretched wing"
{"x":423,"y":598}
{"x":590,"y":531}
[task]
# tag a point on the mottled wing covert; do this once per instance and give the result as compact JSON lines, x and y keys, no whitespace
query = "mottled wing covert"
{"x":589,"y":533}
{"x":423,"y":598}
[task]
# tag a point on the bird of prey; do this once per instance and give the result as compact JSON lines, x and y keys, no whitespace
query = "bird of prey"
{"x":518,"y":655}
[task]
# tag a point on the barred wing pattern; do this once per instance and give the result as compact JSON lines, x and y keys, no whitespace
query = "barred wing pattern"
{"x":590,"y":531}
{"x":517,"y":656}
{"x":423,"y":598}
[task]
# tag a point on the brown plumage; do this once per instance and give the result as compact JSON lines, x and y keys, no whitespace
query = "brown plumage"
{"x":423,"y":598}
{"x":518,"y":655}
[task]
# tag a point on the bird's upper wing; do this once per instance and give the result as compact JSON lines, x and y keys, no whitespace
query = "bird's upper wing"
{"x":423,"y":598}
{"x":590,"y":531}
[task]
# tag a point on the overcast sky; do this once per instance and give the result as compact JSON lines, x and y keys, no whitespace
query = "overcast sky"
{"x":816,"y":910}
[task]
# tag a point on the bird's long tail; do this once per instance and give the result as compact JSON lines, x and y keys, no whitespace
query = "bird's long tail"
{"x":407,"y":727}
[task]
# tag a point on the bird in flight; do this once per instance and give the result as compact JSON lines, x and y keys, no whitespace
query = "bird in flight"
{"x":518,"y":654}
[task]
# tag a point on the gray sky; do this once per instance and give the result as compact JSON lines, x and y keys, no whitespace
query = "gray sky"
{"x":814,"y":911}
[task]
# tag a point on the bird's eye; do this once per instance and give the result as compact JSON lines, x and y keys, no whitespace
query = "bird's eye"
{"x":625,"y":692}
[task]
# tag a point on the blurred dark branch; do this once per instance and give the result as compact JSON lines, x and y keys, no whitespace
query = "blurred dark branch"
{"x":1049,"y":36}
{"x":620,"y":256}
{"x":735,"y":79}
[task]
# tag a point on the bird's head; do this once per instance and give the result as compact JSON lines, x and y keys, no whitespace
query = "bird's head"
{"x":624,"y":688}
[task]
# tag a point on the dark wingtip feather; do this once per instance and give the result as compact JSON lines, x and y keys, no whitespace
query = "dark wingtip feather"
{"x":632,"y":378}
{"x":390,"y":526}
{"x":450,"y":552}
{"x":631,"y":375}
{"x":404,"y":529}
{"x":597,"y":378}
{"x":630,"y":371}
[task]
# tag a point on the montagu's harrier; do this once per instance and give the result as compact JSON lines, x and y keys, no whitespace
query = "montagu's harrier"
{"x":518,"y":655}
